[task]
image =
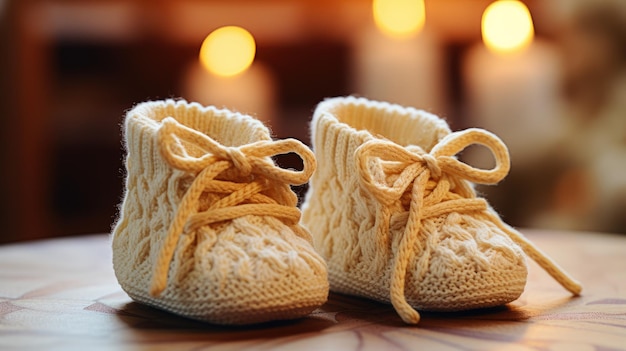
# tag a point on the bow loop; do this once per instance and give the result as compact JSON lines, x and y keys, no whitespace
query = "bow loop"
{"x":259,"y":152}
{"x":456,"y":142}
{"x":376,"y":158}
{"x":199,"y":151}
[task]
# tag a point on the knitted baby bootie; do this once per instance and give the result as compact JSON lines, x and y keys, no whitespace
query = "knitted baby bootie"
{"x":208,"y":226}
{"x":395,"y":215}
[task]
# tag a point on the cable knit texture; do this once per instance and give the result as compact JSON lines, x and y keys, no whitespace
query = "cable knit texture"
{"x":394,"y":212}
{"x":208,"y":226}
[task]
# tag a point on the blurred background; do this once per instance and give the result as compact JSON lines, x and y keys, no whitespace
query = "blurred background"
{"x":554,"y":90}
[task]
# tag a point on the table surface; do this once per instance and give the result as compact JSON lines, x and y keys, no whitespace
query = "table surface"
{"x":61,"y":294}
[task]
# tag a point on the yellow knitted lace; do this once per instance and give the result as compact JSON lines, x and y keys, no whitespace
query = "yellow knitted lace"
{"x":249,"y":164}
{"x":433,"y":184}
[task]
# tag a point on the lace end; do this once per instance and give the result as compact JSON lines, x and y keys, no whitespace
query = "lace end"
{"x":408,"y":314}
{"x":545,"y":262}
{"x":575,"y":288}
{"x":570,"y":284}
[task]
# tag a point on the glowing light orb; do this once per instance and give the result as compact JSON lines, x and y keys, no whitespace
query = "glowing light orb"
{"x":228,"y":51}
{"x":399,"y":18}
{"x":507,"y":26}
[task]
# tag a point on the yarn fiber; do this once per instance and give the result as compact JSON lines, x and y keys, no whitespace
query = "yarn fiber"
{"x":208,"y":227}
{"x":395,"y":215}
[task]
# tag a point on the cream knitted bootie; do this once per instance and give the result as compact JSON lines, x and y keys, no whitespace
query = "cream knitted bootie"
{"x":395,"y":215}
{"x":209,"y":227}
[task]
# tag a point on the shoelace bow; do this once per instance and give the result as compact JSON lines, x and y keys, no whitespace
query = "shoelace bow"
{"x":239,"y":199}
{"x":432,"y":175}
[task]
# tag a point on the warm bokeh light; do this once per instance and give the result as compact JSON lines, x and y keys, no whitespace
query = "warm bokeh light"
{"x":507,"y":26}
{"x":399,"y":18}
{"x":228,"y":51}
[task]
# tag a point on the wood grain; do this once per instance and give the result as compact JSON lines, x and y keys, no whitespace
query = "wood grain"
{"x":61,"y":294}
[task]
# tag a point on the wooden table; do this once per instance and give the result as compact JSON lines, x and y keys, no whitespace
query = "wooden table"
{"x":61,"y":294}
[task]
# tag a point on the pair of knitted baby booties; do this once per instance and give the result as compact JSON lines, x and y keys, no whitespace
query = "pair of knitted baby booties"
{"x":209,"y":227}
